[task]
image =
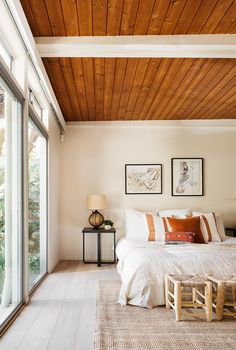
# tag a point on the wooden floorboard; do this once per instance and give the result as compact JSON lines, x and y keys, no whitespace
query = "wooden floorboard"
{"x":61,"y":314}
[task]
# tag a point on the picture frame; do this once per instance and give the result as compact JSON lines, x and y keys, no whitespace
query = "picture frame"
{"x":187,"y":177}
{"x":143,"y":178}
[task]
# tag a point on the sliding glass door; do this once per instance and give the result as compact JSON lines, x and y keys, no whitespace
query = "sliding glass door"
{"x":10,"y":202}
{"x":37,"y":210}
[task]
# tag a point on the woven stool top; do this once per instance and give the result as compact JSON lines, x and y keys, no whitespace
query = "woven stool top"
{"x":228,"y":280}
{"x":189,"y":280}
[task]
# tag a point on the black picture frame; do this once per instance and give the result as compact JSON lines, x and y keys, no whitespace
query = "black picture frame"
{"x":184,"y":189}
{"x":148,"y":180}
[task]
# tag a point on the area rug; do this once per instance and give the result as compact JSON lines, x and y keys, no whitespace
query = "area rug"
{"x":135,"y":328}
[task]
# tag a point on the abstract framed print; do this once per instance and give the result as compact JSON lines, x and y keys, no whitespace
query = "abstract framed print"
{"x":187,"y":176}
{"x":143,"y":178}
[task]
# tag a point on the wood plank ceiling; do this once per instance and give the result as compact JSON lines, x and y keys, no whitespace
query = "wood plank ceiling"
{"x":138,"y":88}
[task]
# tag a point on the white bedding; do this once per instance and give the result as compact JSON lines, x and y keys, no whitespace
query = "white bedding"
{"x":143,"y":266}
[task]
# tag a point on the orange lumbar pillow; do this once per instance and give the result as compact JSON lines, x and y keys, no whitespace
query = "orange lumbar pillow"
{"x":179,"y":237}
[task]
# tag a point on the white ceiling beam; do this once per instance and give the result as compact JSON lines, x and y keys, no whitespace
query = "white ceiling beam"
{"x":204,"y":46}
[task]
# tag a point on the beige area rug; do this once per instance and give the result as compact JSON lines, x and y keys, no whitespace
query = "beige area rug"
{"x":135,"y":328}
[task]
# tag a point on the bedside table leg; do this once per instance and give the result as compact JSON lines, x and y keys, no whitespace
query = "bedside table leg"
{"x":83,"y":249}
{"x":99,"y":249}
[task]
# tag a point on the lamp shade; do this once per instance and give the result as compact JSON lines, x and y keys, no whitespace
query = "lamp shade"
{"x":96,"y":201}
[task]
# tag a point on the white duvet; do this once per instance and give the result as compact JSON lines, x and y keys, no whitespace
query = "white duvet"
{"x":143,"y":266}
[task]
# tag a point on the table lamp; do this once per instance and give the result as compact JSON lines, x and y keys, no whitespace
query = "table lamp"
{"x":96,"y":202}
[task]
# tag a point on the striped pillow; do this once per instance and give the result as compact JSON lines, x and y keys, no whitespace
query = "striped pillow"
{"x":156,"y":228}
{"x":144,"y":226}
{"x":208,"y":227}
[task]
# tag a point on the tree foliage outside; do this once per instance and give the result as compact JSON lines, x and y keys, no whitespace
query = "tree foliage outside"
{"x":34,"y":212}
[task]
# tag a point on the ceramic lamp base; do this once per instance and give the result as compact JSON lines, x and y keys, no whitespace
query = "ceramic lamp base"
{"x":96,"y":219}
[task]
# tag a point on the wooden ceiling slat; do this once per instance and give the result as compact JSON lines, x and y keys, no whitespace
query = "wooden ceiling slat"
{"x":99,"y":86}
{"x":41,"y":17}
{"x":168,"y":94}
{"x":78,"y":73}
{"x":224,"y":85}
{"x":147,"y":82}
{"x":143,"y":17}
{"x":99,"y":17}
{"x":225,"y":114}
{"x":114,"y":13}
{"x":183,"y":88}
{"x":49,"y":72}
{"x":30,"y":15}
{"x":165,"y":86}
{"x":158,"y":16}
{"x":190,"y":94}
{"x":133,"y":89}
{"x":85,"y":17}
{"x":226,"y":103}
{"x":110,"y":66}
{"x":141,"y":70}
{"x":124,"y":88}
{"x":218,"y":12}
{"x":71,"y":88}
{"x":69,"y":10}
{"x":59,"y":86}
{"x":201,"y":16}
{"x":127,"y":17}
{"x":200,"y":113}
{"x":172,"y":16}
{"x":232,"y":29}
{"x":127,"y":86}
{"x":88,"y":71}
{"x":156,"y":84}
{"x":228,"y":113}
{"x":209,"y":82}
{"x":223,"y":108}
{"x":187,"y":16}
{"x":129,"y":14}
{"x":227,"y":21}
{"x":56,"y":17}
{"x":118,"y":83}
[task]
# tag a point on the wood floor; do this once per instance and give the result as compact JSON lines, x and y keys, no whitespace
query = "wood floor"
{"x":61,"y":313}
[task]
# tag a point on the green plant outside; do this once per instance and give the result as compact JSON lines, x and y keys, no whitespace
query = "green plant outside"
{"x":33,"y":223}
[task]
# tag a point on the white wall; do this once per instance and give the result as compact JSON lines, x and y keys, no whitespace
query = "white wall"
{"x":53,"y":193}
{"x":93,"y":161}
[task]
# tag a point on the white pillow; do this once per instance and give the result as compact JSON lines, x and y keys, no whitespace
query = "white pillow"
{"x":136,"y":226}
{"x":144,"y":226}
{"x":220,"y":225}
{"x":180,"y":213}
{"x":208,"y":227}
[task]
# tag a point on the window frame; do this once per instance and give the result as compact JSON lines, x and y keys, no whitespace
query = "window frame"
{"x":27,"y":112}
{"x":33,"y":117}
{"x":33,"y":98}
{"x":7,"y":53}
{"x":15,"y":89}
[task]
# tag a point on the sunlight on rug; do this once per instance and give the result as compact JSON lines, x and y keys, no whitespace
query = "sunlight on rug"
{"x":135,"y":328}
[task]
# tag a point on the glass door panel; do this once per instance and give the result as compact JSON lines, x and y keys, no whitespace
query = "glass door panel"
{"x":10,"y":202}
{"x":37,"y":210}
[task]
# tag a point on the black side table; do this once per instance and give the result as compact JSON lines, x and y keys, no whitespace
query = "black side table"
{"x":99,"y":253}
{"x":230,"y":231}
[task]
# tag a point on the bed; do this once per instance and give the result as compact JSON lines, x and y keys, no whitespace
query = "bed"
{"x":143,"y":266}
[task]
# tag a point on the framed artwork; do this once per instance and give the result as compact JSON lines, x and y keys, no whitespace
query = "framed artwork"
{"x":187,"y":176}
{"x":143,"y":178}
